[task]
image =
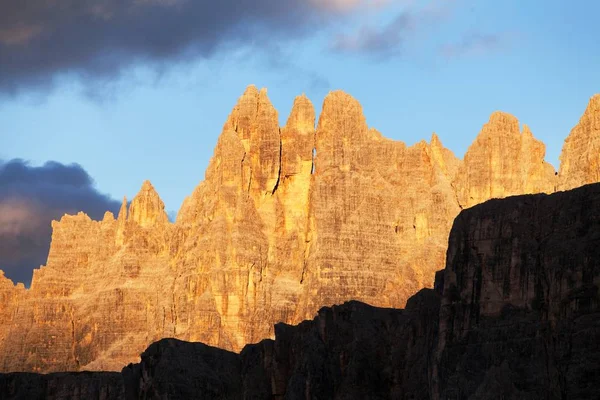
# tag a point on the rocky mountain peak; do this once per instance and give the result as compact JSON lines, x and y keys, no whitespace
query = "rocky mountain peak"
{"x":253,"y":111}
{"x":503,"y":162}
{"x":123,"y":210}
{"x":341,"y":132}
{"x":302,"y":116}
{"x":435,"y":141}
{"x":298,"y":140}
{"x":147,"y":209}
{"x":503,"y":122}
{"x":108,"y":217}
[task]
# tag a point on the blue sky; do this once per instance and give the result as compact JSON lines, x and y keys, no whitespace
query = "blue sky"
{"x":415,"y":66}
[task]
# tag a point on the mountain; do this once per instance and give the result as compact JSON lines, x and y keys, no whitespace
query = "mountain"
{"x":515,"y":314}
{"x":287,"y":220}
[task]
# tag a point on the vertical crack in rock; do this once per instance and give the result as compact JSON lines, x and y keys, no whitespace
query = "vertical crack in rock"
{"x":279,"y":169}
{"x":303,"y":271}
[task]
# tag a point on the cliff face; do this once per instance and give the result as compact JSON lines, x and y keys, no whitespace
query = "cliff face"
{"x":98,"y":297}
{"x":287,"y":220}
{"x":521,"y":305}
{"x":515,"y":315}
{"x":580,"y":158}
{"x":10,"y":297}
{"x":503,"y":161}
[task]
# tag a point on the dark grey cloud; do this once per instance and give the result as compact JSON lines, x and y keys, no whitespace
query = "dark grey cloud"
{"x":41,"y":40}
{"x":475,"y":43}
{"x":30,"y":198}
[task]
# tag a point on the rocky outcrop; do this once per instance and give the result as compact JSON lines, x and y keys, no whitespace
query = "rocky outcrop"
{"x":10,"y":297}
{"x":503,"y":161}
{"x":379,"y":212}
{"x":580,"y":157}
{"x":515,"y":315}
{"x":287,"y":220}
{"x":100,"y":295}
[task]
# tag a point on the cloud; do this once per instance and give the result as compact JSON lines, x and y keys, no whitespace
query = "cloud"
{"x":387,"y":41}
{"x":44,"y":40}
{"x":382,"y":41}
{"x":475,"y":43}
{"x":30,"y":198}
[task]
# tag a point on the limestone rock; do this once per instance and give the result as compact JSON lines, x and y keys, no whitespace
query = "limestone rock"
{"x":287,"y":220}
{"x":147,"y":209}
{"x":503,"y":162}
{"x":10,"y":297}
{"x":379,"y":212}
{"x":97,"y":299}
{"x":580,"y":157}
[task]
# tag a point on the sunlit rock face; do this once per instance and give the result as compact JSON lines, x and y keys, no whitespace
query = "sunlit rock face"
{"x":287,"y":220}
{"x":580,"y":158}
{"x":99,"y":298}
{"x":503,"y":161}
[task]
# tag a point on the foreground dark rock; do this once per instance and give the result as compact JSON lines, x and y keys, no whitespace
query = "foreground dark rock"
{"x":62,"y":385}
{"x":520,"y":311}
{"x":515,"y":315}
{"x":353,"y":351}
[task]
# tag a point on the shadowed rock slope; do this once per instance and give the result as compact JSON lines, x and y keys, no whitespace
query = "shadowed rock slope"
{"x":288,"y":220}
{"x":514,"y":315}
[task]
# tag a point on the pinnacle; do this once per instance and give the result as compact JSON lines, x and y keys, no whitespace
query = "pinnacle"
{"x":339,"y":95}
{"x":501,"y":123}
{"x":302,"y":114}
{"x":527,"y":131}
{"x":147,"y":206}
{"x":302,"y":99}
{"x":251,"y":90}
{"x":123,"y":210}
{"x":147,"y":191}
{"x":501,"y":116}
{"x":147,"y":186}
{"x":108,"y":216}
{"x":339,"y":98}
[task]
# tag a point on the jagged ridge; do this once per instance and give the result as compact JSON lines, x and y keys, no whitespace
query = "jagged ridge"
{"x":272,"y":234}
